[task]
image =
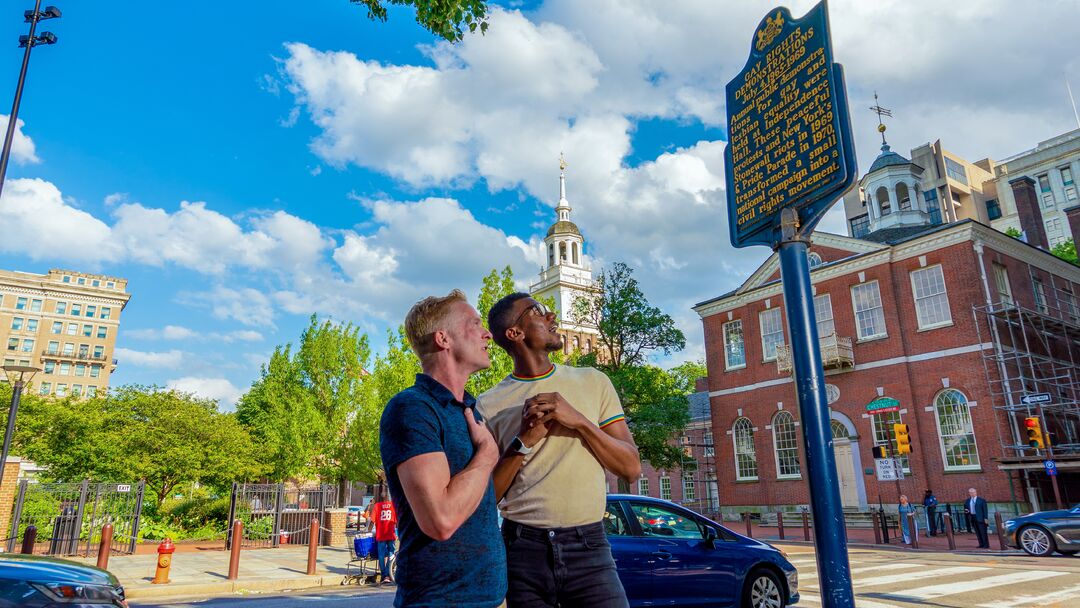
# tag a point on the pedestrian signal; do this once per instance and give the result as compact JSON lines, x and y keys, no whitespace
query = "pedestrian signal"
{"x":881,"y":451}
{"x":903,"y":441}
{"x":1034,"y":432}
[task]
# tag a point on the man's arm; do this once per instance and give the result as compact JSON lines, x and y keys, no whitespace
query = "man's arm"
{"x":613,"y":445}
{"x":442,"y":503}
{"x":531,"y":432}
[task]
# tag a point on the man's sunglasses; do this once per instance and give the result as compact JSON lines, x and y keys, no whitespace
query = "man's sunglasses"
{"x":538,"y":309}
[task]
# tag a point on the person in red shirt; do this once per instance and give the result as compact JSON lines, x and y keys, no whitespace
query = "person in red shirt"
{"x":384,"y":520}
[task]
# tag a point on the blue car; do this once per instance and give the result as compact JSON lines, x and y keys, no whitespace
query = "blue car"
{"x":668,"y":555}
{"x":1042,"y":533}
{"x":33,"y":581}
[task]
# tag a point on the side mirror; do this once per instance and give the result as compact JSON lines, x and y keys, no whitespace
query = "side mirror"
{"x":710,"y":537}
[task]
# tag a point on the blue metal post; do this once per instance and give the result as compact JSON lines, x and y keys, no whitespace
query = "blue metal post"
{"x":830,"y":537}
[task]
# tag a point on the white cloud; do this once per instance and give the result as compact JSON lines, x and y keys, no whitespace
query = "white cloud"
{"x":40,"y":224}
{"x":176,"y":332}
{"x":22,"y":147}
{"x":218,"y":389}
{"x":171,"y":359}
{"x":246,"y":305}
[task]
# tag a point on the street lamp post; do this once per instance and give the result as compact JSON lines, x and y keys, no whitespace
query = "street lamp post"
{"x":28,"y":42}
{"x":19,"y":375}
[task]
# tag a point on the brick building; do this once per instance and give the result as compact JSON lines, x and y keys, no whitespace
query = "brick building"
{"x":693,"y":483}
{"x":918,"y":313}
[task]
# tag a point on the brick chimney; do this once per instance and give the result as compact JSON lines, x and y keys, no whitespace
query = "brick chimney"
{"x":1073,"y":213}
{"x":702,"y":384}
{"x":1027,"y":207}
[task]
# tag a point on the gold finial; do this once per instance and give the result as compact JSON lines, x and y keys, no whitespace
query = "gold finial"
{"x":562,"y":162}
{"x":880,"y":111}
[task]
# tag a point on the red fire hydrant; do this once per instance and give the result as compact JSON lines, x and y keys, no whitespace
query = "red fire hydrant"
{"x":164,"y":562}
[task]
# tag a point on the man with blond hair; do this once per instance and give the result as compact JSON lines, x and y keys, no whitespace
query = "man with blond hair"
{"x":438,"y":456}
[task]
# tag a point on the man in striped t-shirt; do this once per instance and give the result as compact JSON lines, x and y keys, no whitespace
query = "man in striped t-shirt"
{"x":558,"y":428}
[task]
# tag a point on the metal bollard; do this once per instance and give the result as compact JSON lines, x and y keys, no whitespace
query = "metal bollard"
{"x":949,"y":531}
{"x":884,"y":526}
{"x":29,"y":538}
{"x":749,"y":532}
{"x":780,"y":523}
{"x":105,"y":547}
{"x":164,"y":562}
{"x":913,"y":530}
{"x":234,"y":552}
{"x":875,"y":518}
{"x":999,"y":528}
{"x":313,"y":546}
{"x":806,"y":526}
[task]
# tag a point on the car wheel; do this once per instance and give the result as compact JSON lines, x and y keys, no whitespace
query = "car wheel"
{"x":1036,"y":541}
{"x":763,"y":590}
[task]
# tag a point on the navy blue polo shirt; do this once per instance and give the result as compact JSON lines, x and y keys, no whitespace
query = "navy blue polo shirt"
{"x":468,"y":569}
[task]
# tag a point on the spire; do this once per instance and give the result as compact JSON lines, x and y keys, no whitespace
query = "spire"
{"x":880,"y":111}
{"x":563,"y":209}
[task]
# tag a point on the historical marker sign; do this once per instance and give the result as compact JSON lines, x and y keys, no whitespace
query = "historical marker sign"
{"x":788,"y":127}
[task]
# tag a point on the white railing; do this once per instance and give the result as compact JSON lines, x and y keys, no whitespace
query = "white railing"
{"x":836,"y":353}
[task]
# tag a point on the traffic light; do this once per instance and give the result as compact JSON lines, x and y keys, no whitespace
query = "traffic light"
{"x":903,"y":441}
{"x":881,"y":451}
{"x":1034,"y":432}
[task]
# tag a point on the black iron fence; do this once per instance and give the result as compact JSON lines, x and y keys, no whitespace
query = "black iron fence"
{"x":276,"y":514}
{"x":69,"y":516}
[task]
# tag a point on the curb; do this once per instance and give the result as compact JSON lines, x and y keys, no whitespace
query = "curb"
{"x":231,"y":587}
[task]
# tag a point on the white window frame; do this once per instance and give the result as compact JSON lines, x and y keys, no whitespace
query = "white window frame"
{"x":728,"y":365}
{"x":820,"y":315}
{"x":1038,"y":291}
{"x":665,"y":488}
{"x":643,"y":486}
{"x":689,"y":488}
{"x":881,"y":431}
{"x":752,"y":452}
{"x":926,"y":324}
{"x":1001,"y":279}
{"x":776,"y":445}
{"x":880,"y":308}
{"x":765,"y":357}
{"x":977,"y":465}
{"x":710,"y":447}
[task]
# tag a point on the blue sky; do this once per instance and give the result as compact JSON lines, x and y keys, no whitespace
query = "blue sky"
{"x":247,"y":164}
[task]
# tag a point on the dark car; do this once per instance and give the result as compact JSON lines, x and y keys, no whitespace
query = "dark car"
{"x":669,"y":555}
{"x":33,"y":581}
{"x":1042,"y":533}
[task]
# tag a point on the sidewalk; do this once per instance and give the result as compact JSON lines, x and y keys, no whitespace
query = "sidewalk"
{"x":206,"y":572}
{"x":965,"y":543}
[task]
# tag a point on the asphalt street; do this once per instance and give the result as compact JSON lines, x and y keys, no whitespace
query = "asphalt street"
{"x":882,"y":579}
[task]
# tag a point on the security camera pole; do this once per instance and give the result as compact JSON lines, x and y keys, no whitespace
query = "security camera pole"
{"x":789,"y":157}
{"x":29,"y":42}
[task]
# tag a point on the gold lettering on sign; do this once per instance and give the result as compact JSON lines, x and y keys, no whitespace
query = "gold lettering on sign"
{"x":783,"y":139}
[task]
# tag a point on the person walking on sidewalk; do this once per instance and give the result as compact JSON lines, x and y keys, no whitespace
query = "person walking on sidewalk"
{"x":439,"y":456}
{"x":558,"y":428}
{"x":384,"y":522}
{"x":908,"y":529}
{"x":977,"y":516}
{"x":929,"y":502}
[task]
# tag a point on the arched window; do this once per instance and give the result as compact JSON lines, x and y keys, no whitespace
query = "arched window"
{"x":814,"y":260}
{"x":955,"y":430}
{"x":882,"y":196}
{"x":562,"y":252}
{"x":786,"y":445}
{"x":745,"y":456}
{"x":574,"y":250}
{"x":576,"y":344}
{"x":588,"y":345}
{"x":903,"y":196}
{"x":551,"y":254}
{"x":839,"y":431}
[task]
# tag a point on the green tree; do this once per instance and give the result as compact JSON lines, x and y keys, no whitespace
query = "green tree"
{"x":495,"y":286}
{"x":657,"y":409}
{"x":447,"y":19}
{"x":1013,"y":232}
{"x":630,"y":328}
{"x":1066,"y":250}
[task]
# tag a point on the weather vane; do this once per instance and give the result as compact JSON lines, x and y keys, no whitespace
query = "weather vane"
{"x":880,"y":111}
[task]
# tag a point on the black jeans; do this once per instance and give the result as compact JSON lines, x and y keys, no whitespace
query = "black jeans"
{"x":981,"y":532}
{"x":931,"y":519}
{"x":564,"y":567}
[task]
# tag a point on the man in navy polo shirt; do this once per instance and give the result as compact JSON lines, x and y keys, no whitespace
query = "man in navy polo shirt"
{"x":438,"y":456}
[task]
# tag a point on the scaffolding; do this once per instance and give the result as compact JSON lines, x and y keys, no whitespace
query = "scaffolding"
{"x":1035,"y":356}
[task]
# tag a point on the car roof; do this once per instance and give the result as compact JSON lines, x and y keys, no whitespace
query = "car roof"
{"x":15,"y":566}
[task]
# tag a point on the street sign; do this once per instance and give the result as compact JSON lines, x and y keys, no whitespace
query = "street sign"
{"x":1033,"y":398}
{"x":888,"y":469}
{"x":1051,"y":467}
{"x":883,"y":405}
{"x":123,"y":488}
{"x":789,"y":133}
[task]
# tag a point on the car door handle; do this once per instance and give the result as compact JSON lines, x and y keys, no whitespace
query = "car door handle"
{"x":662,"y":554}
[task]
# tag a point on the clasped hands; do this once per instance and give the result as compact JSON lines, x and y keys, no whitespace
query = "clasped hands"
{"x":541,"y":412}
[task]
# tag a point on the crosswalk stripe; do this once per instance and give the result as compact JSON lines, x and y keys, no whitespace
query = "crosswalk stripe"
{"x":859,"y":602}
{"x":908,"y":576}
{"x":933,"y":591}
{"x":1036,"y":600}
{"x":887,"y":567}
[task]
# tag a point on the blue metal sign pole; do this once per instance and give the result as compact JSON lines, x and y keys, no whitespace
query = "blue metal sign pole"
{"x":830,"y":535}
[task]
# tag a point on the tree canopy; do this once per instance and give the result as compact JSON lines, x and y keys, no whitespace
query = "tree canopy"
{"x":447,"y":19}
